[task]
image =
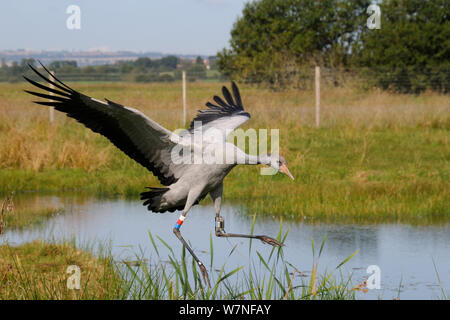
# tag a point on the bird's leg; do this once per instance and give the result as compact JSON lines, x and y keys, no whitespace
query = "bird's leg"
{"x":176,"y":230}
{"x":220,"y":232}
{"x":200,"y":264}
{"x":216,"y":195}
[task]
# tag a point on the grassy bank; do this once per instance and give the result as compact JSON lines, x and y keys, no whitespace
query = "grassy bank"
{"x":20,"y":214}
{"x":37,"y":270}
{"x":377,"y":157}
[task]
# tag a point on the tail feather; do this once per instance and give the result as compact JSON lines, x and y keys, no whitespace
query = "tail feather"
{"x":153,"y":198}
{"x":155,"y":202}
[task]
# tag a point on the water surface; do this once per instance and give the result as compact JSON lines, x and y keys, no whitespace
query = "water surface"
{"x":404,"y":253}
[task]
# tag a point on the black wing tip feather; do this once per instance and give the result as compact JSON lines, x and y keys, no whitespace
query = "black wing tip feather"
{"x":64,"y":90}
{"x":231,"y":106}
{"x":232,"y":100}
{"x":71,"y":103}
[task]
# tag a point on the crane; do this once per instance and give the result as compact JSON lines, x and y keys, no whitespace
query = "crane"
{"x":172,"y":158}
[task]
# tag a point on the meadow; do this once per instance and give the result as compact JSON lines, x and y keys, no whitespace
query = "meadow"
{"x":377,"y":156}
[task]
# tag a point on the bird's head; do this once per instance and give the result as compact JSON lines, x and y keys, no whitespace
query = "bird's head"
{"x":278,"y":162}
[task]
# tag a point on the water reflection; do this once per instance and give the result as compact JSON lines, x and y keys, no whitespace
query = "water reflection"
{"x":404,"y":253}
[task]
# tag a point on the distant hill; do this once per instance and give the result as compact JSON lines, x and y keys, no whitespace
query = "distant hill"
{"x":83,"y":58}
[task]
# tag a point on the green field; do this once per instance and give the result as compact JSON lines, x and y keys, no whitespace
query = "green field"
{"x":378,"y":156}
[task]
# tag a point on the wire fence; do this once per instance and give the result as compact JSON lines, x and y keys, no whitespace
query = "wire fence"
{"x":404,"y":80}
{"x":143,"y":77}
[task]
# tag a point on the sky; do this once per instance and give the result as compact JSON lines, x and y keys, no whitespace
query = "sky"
{"x":167,"y":26}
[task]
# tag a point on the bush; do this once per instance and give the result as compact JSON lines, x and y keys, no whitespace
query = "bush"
{"x":146,"y":77}
{"x":166,"y":78}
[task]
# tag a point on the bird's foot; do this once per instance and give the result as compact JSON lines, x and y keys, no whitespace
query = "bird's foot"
{"x":219,"y":226}
{"x":220,"y":233}
{"x":204,"y":274}
{"x":271,"y":241}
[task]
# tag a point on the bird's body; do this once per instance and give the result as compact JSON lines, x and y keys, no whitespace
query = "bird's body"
{"x":190,"y":165}
{"x":199,"y":178}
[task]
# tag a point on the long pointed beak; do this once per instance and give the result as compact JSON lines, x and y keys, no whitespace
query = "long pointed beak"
{"x":286,"y":171}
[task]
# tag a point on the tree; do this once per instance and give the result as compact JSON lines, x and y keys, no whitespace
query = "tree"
{"x":25,"y":62}
{"x":212,"y":62}
{"x":411,"y":50}
{"x":197,"y":71}
{"x":143,"y":63}
{"x":58,"y":64}
{"x":170,"y":62}
{"x":276,"y":40}
{"x":274,"y":37}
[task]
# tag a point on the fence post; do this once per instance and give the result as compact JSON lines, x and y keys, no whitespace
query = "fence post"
{"x":184,"y":96}
{"x":317,"y":96}
{"x":52,"y":109}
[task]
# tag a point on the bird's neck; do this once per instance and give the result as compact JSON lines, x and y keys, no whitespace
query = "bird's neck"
{"x":261,"y":159}
{"x":264,"y":159}
{"x":244,"y":158}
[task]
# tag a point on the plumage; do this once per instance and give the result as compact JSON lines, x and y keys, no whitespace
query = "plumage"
{"x":230,"y":108}
{"x":137,"y":136}
{"x":159,"y":150}
{"x":145,"y":141}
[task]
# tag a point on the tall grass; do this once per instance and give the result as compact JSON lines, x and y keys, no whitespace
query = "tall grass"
{"x":38,"y":271}
{"x":377,"y":157}
{"x":272,"y":277}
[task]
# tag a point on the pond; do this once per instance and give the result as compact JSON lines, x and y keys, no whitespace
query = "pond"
{"x":406,"y":255}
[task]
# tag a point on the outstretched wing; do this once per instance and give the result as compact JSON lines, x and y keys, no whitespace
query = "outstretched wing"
{"x":139,"y":137}
{"x":224,"y":116}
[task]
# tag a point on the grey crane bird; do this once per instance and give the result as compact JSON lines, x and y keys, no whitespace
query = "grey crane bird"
{"x":159,"y":150}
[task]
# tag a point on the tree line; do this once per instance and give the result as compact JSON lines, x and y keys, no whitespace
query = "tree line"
{"x":278,"y":41}
{"x":143,"y":69}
